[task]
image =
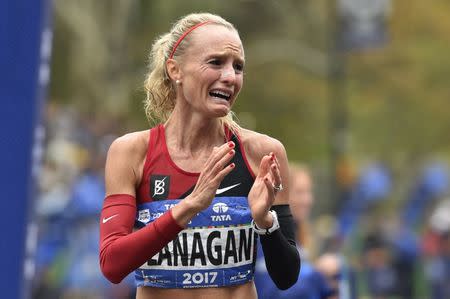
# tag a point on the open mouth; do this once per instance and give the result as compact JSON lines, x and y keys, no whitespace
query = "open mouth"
{"x":220,"y":94}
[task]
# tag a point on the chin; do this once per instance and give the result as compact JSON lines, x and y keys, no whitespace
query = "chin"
{"x":221,"y":113}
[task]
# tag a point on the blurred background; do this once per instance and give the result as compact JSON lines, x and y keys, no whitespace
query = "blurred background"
{"x":357,"y":90}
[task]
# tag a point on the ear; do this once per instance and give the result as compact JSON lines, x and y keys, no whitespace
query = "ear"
{"x":173,"y":69}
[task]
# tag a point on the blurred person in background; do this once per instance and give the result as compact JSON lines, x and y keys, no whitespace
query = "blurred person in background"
{"x":82,"y":280}
{"x":405,"y":251}
{"x":330,"y":267}
{"x":311,"y":283}
{"x":68,"y":209}
{"x":197,"y":188}
{"x":381,"y":276}
{"x":436,"y":250}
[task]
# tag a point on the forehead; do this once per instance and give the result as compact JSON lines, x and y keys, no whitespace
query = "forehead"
{"x":211,"y":39}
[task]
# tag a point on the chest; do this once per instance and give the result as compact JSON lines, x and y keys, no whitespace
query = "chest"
{"x":190,"y":162}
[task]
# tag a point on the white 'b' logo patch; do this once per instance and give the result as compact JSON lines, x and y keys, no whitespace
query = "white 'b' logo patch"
{"x":159,"y":186}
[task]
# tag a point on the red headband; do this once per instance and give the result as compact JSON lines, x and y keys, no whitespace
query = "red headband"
{"x":183,"y":36}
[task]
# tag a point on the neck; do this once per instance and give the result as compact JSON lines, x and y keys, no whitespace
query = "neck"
{"x":192,"y":132}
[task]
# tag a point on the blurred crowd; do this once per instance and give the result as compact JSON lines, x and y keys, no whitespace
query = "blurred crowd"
{"x":71,"y":192}
{"x":369,"y":247}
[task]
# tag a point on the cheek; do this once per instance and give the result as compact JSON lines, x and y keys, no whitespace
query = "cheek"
{"x":202,"y":76}
{"x":210,"y":75}
{"x":197,"y":85}
{"x":189,"y":91}
{"x":239,"y":82}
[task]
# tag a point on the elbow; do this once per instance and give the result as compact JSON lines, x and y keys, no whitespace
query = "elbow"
{"x":111,"y":276}
{"x":110,"y":272}
{"x":291,"y":276}
{"x":286,"y":283}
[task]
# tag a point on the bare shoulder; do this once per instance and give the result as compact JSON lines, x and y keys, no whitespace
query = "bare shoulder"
{"x":133,"y":145}
{"x":125,"y":161}
{"x":257,"y":145}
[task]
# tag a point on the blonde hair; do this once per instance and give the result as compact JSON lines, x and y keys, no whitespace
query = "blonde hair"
{"x":159,"y":88}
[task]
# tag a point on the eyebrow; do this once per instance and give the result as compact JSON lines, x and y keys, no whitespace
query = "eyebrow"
{"x":223,"y":54}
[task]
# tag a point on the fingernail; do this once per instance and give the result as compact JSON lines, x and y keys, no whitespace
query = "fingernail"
{"x":231,"y":144}
{"x":231,"y":152}
{"x":232,"y":165}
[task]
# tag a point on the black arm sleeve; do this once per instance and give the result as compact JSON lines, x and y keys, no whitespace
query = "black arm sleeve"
{"x":280,"y":251}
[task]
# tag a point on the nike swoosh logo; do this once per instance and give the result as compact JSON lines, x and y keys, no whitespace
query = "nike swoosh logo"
{"x":109,"y":218}
{"x":222,"y":190}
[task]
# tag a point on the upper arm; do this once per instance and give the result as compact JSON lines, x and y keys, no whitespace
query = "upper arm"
{"x":257,"y":146}
{"x":122,"y":164}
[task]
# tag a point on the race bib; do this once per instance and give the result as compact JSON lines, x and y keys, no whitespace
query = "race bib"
{"x":216,"y":249}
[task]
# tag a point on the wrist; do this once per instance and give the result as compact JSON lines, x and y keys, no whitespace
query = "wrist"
{"x":191,"y":205}
{"x":267,"y":230}
{"x":264,"y":222}
{"x":184,"y":211}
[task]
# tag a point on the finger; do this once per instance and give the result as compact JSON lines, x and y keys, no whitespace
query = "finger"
{"x":264,"y":166}
{"x":223,"y":161}
{"x":274,"y":158}
{"x":217,"y":154}
{"x":223,"y":173}
{"x":208,"y":162}
{"x":269,"y":184}
{"x":275,"y":170}
{"x":221,"y":151}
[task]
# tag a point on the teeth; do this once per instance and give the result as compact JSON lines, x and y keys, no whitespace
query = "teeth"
{"x":225,"y":94}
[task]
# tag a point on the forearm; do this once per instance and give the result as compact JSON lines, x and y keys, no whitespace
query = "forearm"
{"x":280,"y":251}
{"x":122,"y":251}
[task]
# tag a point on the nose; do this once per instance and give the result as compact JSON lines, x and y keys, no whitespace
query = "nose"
{"x":228,"y":75}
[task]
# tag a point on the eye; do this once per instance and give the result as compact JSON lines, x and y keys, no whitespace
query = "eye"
{"x":215,"y":61}
{"x":239,"y":67}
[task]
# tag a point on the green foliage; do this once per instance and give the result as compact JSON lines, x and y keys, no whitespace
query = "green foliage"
{"x":398,"y":95}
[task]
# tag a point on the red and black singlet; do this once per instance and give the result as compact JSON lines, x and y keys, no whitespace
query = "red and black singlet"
{"x":217,"y":248}
{"x":163,"y":179}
